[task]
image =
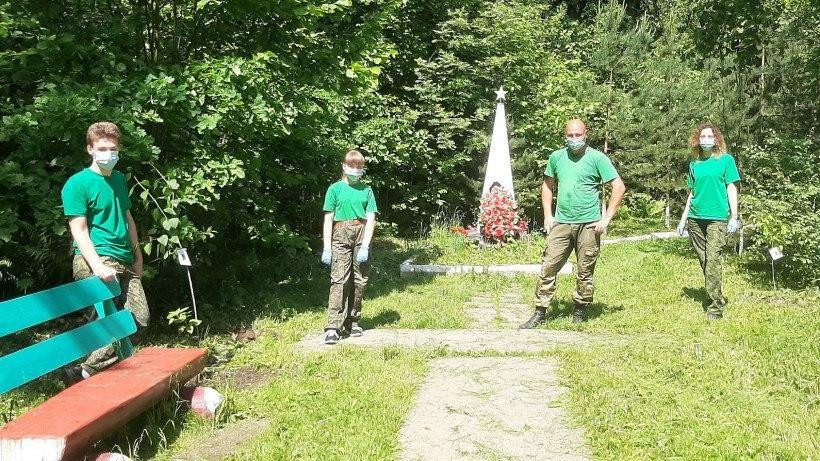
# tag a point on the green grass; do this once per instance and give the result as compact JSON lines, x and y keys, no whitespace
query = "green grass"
{"x":444,"y":247}
{"x":673,"y":386}
{"x":344,"y":404}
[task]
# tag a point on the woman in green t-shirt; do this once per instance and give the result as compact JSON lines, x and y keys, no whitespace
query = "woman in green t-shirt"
{"x":711,"y":208}
{"x":350,"y":217}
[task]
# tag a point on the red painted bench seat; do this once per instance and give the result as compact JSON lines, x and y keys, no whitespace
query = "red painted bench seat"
{"x":64,"y":426}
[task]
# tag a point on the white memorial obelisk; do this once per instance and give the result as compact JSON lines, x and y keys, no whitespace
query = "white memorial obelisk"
{"x":499,"y":167}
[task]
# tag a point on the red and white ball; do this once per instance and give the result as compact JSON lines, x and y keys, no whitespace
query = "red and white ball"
{"x":204,"y":401}
{"x":112,"y":457}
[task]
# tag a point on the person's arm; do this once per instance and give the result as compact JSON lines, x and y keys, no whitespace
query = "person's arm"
{"x":327,"y":230}
{"x":731,"y":191}
{"x":618,"y":191}
{"x":547,"y":188}
{"x":327,"y":238}
{"x":368,"y":230}
{"x":734,"y":223}
{"x":686,"y":208}
{"x":79,"y":231}
{"x":135,"y":244}
{"x":682,"y":224}
{"x":364,"y":251}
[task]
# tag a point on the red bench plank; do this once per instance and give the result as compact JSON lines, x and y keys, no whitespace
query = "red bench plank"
{"x":66,"y":424}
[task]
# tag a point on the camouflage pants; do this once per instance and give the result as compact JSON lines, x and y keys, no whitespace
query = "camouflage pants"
{"x":561,"y":241}
{"x":347,"y":278}
{"x":131,"y":298}
{"x":709,"y":239}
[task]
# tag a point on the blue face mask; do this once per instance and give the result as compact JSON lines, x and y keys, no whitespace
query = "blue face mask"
{"x":106,"y":159}
{"x":576,"y":144}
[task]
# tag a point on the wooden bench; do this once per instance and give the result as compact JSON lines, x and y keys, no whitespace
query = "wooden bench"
{"x":65,"y":425}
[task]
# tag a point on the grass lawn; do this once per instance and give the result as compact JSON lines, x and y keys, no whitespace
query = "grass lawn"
{"x":444,"y":247}
{"x":674,"y":385}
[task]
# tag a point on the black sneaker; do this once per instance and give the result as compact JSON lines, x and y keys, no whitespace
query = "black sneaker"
{"x":356,"y":330}
{"x":72,"y":375}
{"x":714,"y":316}
{"x":577,"y":315}
{"x":537,"y":319}
{"x":331,"y":337}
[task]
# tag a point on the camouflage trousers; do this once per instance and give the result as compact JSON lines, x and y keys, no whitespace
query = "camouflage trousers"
{"x":709,"y":239}
{"x":347,"y":278}
{"x":562,"y":240}
{"x":131,"y":298}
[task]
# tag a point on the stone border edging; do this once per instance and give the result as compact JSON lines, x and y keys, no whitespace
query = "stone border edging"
{"x":407,"y":268}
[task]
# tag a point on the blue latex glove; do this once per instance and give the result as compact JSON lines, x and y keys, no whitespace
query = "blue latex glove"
{"x":681,"y":228}
{"x":326,"y":255}
{"x":733,"y":226}
{"x":362,"y":255}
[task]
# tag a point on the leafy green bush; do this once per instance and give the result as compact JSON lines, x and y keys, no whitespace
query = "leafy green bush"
{"x":784,"y":203}
{"x":641,"y":205}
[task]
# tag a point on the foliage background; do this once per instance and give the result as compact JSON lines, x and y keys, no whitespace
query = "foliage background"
{"x":236,"y":114}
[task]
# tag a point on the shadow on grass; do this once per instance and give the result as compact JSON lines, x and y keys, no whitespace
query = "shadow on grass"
{"x":753,"y":265}
{"x":564,"y":308}
{"x":235,"y":304}
{"x":674,"y":247}
{"x":387,"y":317}
{"x":697,"y":295}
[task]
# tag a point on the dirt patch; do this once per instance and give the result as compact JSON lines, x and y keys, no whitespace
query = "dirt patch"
{"x":242,"y":379}
{"x":224,"y":442}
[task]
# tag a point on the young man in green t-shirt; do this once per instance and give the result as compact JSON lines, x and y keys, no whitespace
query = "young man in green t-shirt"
{"x":96,"y":203}
{"x":579,"y":171}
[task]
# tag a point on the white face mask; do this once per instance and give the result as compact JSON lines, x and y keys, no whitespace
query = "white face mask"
{"x":353,"y":174}
{"x":106,"y":159}
{"x":576,"y":143}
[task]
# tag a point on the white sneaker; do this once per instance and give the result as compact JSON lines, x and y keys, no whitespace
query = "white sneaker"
{"x":331,"y":337}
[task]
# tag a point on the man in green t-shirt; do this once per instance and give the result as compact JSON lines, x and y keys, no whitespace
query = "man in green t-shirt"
{"x":96,"y":203}
{"x":579,"y":171}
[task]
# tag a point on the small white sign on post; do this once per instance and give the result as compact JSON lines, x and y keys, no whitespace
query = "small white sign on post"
{"x":775,"y":253}
{"x":182,"y":256}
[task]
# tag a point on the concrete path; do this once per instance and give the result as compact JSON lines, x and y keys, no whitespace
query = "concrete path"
{"x":521,"y":342}
{"x":489,"y":408}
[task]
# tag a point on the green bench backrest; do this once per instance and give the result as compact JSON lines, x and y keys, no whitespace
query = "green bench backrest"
{"x":27,"y":364}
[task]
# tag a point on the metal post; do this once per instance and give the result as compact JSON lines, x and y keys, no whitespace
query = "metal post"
{"x":774,"y":283}
{"x":191,"y":284}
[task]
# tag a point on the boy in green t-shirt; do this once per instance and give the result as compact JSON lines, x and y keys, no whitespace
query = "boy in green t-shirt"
{"x":96,"y":203}
{"x":350,"y":217}
{"x":580,"y":173}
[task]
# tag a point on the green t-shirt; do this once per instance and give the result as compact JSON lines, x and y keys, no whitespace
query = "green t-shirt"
{"x":580,"y":180}
{"x":104,"y":202}
{"x":349,"y":201}
{"x":707,"y":179}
